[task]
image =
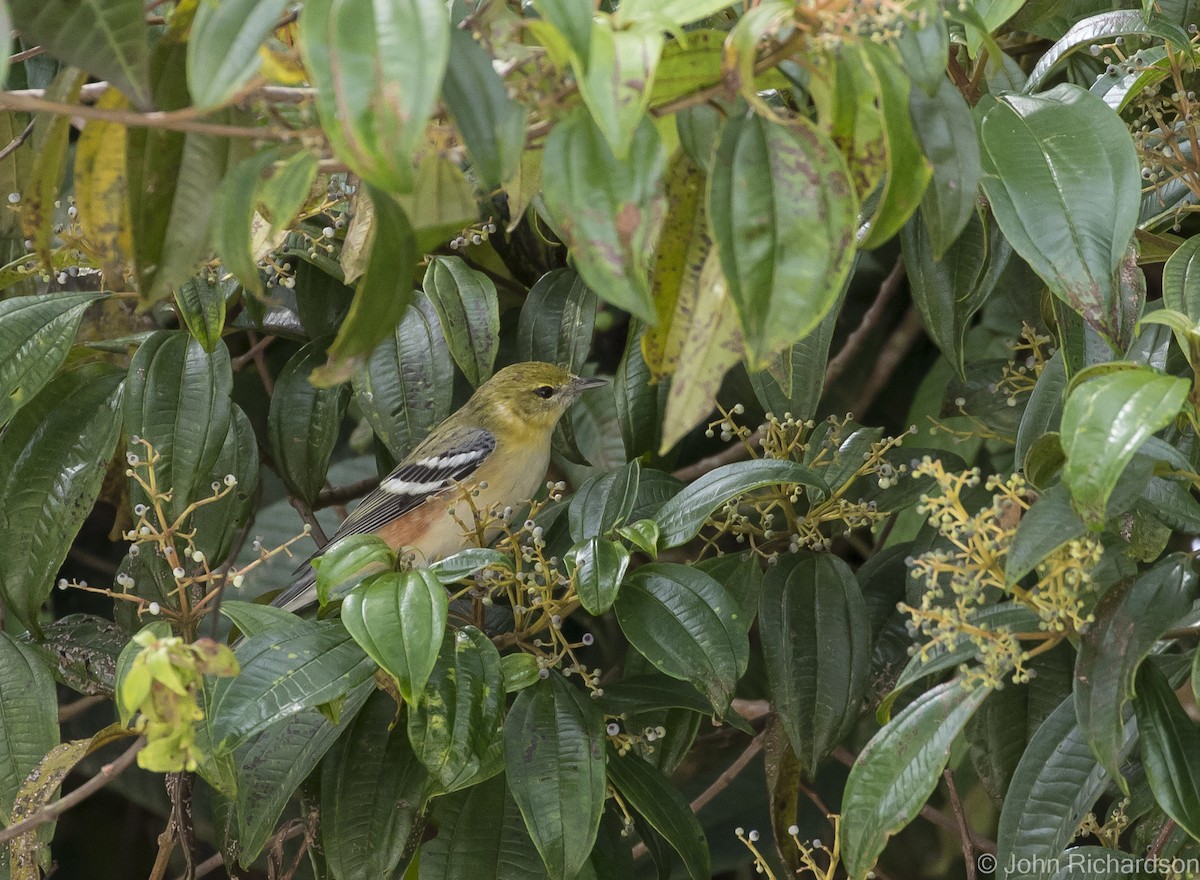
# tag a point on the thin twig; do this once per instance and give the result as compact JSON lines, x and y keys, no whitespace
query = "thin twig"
{"x":12,"y":146}
{"x":53,"y":810}
{"x":964,"y":830}
{"x":719,"y":784}
{"x":870,"y":320}
{"x":342,"y":494}
{"x":32,"y":52}
{"x":70,"y":710}
{"x":897,"y":346}
{"x":306,"y":514}
{"x":256,"y":349}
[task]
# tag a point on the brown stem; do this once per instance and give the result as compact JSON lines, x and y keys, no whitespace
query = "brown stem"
{"x":70,"y":710}
{"x":342,"y":494}
{"x":964,"y":830}
{"x":253,"y":352}
{"x":897,"y":346}
{"x":870,"y":320}
{"x":16,"y":142}
{"x":53,"y":810}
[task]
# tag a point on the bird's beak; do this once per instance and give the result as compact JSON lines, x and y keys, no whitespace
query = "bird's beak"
{"x":580,"y":384}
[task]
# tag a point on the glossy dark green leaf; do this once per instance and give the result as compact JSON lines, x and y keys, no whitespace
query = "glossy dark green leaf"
{"x":373,"y":793}
{"x":218,"y":523}
{"x":223,"y":47}
{"x":1043,"y":411}
{"x":492,"y":124}
{"x":640,"y":695}
{"x":177,"y":398}
{"x":201,"y":303}
{"x":783,"y":215}
{"x":460,"y":566}
{"x":1170,"y":747}
{"x":350,"y":561}
{"x":609,"y":210}
{"x":943,"y":124}
{"x":681,"y":518}
{"x":651,"y":794}
{"x":105,"y":37}
{"x":36,"y":332}
{"x":686,"y":624}
{"x":399,"y":618}
{"x":923,"y":44}
{"x":599,"y":567}
{"x":283,"y":672}
{"x":480,"y":834}
{"x":1068,"y":144}
{"x":639,"y":403}
{"x":557,"y":320}
{"x":406,"y":386}
{"x":385,"y":290}
{"x":899,"y":769}
{"x":604,"y":501}
{"x":272,"y":765}
{"x":815,"y":638}
{"x":28,"y":715}
{"x":520,"y":671}
{"x":1056,"y":784}
{"x":1130,"y":618}
{"x":1045,"y":527}
{"x":1105,"y":421}
{"x":1181,"y":280}
{"x":53,"y":458}
{"x":455,"y":727}
{"x":378,"y":70}
{"x":233,"y":209}
{"x":466,"y":304}
{"x":304,"y":422}
{"x":554,"y":759}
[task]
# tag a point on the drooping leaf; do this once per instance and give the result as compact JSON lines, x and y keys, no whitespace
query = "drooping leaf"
{"x":1062,"y":177}
{"x":102,"y":190}
{"x":557,"y":320}
{"x":466,"y":304}
{"x":233,"y":209}
{"x":783,"y":215}
{"x":898,"y":770}
{"x":218,"y":523}
{"x":378,"y":69}
{"x":554,"y":760}
{"x":618,"y":79}
{"x":604,"y":501}
{"x":304,"y":422}
{"x":942,"y":123}
{"x":815,"y":634}
{"x":36,"y":332}
{"x":51,"y":135}
{"x":599,"y":567}
{"x":399,"y":618}
{"x":1105,"y":421}
{"x":53,"y":458}
{"x":223,"y":47}
{"x":685,"y":623}
{"x":609,"y":210}
{"x":1181,"y":280}
{"x":201,"y":303}
{"x":28,"y":715}
{"x":1170,"y":747}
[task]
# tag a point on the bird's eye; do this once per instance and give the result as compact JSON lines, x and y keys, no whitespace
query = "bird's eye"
{"x":545,"y":392}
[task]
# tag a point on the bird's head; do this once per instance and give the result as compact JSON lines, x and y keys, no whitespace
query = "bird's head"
{"x":533,"y":394}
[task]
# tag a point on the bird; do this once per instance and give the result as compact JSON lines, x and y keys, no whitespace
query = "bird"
{"x":496,"y":446}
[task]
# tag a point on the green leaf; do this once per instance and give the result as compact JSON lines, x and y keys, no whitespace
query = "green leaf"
{"x":28,"y":717}
{"x":554,"y":758}
{"x":604,"y":502}
{"x":107,"y":38}
{"x":271,"y":766}
{"x":898,"y":770}
{"x":1181,"y":280}
{"x":304,"y":422}
{"x":455,"y":727}
{"x":222,"y":49}
{"x":218,"y":523}
{"x":618,"y":80}
{"x":990,"y":14}
{"x":573,"y":20}
{"x":399,"y":618}
{"x":949,"y":289}
{"x":460,"y":566}
{"x":233,"y":210}
{"x":491,"y":123}
{"x":783,"y":215}
{"x":51,"y":138}
{"x":557,"y":320}
{"x":350,"y":561}
{"x":466,"y":304}
{"x":406,"y":386}
{"x":283,"y":672}
{"x":1170,"y":747}
{"x":383,"y":294}
{"x":816,"y":648}
{"x":53,"y":458}
{"x":520,"y":671}
{"x":688,"y":65}
{"x":373,"y":793}
{"x":599,"y":567}
{"x":681,"y":518}
{"x":1056,"y":784}
{"x":378,"y":69}
{"x":608,"y":210}
{"x":177,"y":398}
{"x":943,"y":125}
{"x":685,"y":623}
{"x":639,"y":402}
{"x":1105,"y":421}
{"x":1063,"y":180}
{"x":36,"y":332}
{"x":480,"y":834}
{"x":923,"y":44}
{"x":646,"y":790}
{"x":201,"y":303}
{"x":1130,"y":619}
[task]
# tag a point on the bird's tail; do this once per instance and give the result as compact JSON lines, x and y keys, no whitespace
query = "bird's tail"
{"x":301,"y":594}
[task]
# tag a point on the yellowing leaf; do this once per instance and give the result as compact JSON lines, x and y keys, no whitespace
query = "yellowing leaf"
{"x":102,"y":191}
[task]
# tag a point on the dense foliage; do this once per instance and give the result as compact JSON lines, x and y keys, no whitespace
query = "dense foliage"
{"x":254,"y":250}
